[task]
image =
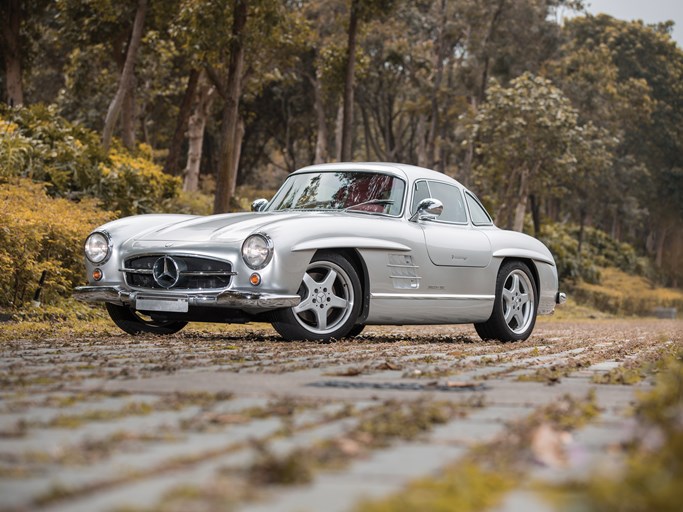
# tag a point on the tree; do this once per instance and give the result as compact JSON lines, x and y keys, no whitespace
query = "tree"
{"x":649,"y":73}
{"x":126,"y":79}
{"x":359,"y":10}
{"x":11,"y":14}
{"x":527,"y":139}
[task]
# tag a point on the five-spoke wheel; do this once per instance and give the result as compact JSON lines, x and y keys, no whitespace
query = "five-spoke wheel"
{"x":330,"y":301}
{"x":515,"y":305}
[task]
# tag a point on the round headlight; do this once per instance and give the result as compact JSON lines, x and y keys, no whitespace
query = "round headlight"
{"x":98,"y":247}
{"x":257,"y":251}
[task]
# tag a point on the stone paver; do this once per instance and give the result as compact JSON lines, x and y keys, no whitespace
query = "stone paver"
{"x":251,"y":391}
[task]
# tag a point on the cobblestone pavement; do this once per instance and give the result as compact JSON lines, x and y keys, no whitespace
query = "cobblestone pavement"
{"x":230,"y":421}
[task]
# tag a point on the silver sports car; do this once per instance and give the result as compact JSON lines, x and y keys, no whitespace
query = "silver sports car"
{"x":339,"y":247}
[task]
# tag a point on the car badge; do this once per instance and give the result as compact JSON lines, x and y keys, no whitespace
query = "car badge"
{"x":166,"y":272}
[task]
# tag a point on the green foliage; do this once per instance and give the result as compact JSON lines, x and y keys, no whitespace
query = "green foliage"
{"x":133,"y":185}
{"x":598,"y":250}
{"x":48,"y":238}
{"x":38,"y":144}
{"x":529,"y":141}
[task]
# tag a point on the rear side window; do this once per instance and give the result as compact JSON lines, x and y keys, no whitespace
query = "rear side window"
{"x":479,"y":216}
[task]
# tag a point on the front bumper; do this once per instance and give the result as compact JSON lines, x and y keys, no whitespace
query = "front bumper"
{"x":227,"y":298}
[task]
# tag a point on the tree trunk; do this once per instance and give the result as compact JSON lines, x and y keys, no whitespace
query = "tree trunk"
{"x":126,"y":75}
{"x":421,"y":136}
{"x":229,"y":154}
{"x":338,"y":131}
{"x":535,"y":213}
{"x":196,"y":127}
{"x":438,"y":77}
{"x":321,"y":150}
{"x":582,"y":229}
{"x":10,"y":12}
{"x":520,"y":208}
{"x":128,"y":116}
{"x":486,"y":57}
{"x":347,"y":126}
{"x":172,"y":164}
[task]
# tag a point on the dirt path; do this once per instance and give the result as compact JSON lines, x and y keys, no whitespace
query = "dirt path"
{"x":242,"y":420}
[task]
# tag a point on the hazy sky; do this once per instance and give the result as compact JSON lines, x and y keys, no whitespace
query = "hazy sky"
{"x":650,"y":11}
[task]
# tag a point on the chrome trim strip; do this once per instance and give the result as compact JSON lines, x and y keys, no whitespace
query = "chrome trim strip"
{"x":401,"y":266}
{"x":141,"y":271}
{"x":430,"y":296}
{"x":405,"y":277}
{"x":146,"y":271}
{"x":227,"y":298}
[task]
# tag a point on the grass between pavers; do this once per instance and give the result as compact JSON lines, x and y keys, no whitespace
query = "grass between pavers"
{"x":376,"y":428}
{"x":635,"y":370}
{"x":480,"y":479}
{"x":652,"y":476}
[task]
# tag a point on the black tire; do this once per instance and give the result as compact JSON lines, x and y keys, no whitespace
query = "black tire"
{"x":355,"y":330}
{"x":515,"y":306}
{"x":331,"y":297}
{"x":131,"y":322}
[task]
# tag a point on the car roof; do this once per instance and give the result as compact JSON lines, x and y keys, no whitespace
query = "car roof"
{"x":409,"y":172}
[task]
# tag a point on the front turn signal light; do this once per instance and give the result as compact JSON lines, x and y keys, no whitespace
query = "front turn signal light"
{"x":97,"y":274}
{"x":255,"y":279}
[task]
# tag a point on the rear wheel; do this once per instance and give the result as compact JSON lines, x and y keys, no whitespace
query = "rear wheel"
{"x":134,"y":323}
{"x":515,"y":306}
{"x":330,"y":301}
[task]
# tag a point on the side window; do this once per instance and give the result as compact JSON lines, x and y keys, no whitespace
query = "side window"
{"x":479,"y":215}
{"x":453,"y":205}
{"x":421,"y":192}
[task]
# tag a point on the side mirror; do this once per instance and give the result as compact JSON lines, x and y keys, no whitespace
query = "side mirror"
{"x":427,"y":209}
{"x":259,"y":205}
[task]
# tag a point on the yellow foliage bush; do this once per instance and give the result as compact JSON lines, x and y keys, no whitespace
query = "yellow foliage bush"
{"x":39,"y":233}
{"x":134,"y":184}
{"x":624,"y":294}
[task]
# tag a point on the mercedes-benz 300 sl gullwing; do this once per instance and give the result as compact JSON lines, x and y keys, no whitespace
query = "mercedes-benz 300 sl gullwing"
{"x":339,"y":247}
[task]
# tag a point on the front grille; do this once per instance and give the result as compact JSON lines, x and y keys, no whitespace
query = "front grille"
{"x":193,"y":273}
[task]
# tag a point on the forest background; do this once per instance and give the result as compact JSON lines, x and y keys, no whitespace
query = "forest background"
{"x":570,"y":129}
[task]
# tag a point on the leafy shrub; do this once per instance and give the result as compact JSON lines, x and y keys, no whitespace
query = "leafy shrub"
{"x":623,"y":294}
{"x":39,"y":233}
{"x":38,"y":144}
{"x":134,"y":185}
{"x":599,"y":250}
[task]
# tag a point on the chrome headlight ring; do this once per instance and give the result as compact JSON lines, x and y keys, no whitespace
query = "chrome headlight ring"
{"x":257,"y":251}
{"x":98,"y":247}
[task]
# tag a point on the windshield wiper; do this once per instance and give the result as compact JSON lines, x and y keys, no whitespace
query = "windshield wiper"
{"x":369,"y":202}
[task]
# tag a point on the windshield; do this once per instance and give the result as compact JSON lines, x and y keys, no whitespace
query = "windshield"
{"x":343,"y":190}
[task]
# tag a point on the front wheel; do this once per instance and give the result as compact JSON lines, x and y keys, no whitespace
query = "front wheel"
{"x":330,"y":301}
{"x":132,"y":322}
{"x":515,"y":306}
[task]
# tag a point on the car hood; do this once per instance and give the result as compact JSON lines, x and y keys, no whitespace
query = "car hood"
{"x":229,"y":227}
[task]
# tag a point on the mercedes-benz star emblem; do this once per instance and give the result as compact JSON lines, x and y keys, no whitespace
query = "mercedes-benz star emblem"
{"x":166,"y":272}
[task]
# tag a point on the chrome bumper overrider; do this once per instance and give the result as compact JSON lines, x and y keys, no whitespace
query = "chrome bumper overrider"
{"x":229,"y":298}
{"x":560,"y":298}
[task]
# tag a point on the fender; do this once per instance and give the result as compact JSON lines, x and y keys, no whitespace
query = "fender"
{"x":524,"y":253}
